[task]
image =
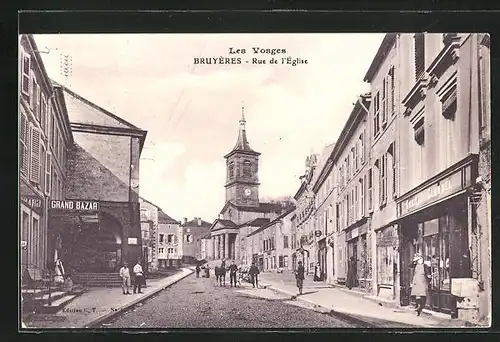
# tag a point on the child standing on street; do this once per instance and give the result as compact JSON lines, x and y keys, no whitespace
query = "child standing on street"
{"x":125,"y":275}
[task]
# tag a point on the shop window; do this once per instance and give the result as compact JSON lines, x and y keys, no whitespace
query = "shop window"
{"x":34,"y":240}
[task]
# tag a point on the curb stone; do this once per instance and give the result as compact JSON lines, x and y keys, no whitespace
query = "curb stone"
{"x":96,"y":322}
{"x":345,"y":317}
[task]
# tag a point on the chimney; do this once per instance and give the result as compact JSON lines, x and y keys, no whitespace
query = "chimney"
{"x":199,"y":221}
{"x":185,"y":220}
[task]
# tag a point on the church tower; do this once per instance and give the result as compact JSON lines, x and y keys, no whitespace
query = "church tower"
{"x":242,"y":164}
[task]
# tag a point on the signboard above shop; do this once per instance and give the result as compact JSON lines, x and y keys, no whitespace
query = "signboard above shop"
{"x":434,"y":192}
{"x":77,"y":205}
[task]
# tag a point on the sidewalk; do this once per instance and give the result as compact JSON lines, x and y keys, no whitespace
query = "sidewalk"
{"x":99,"y":304}
{"x":353,"y":305}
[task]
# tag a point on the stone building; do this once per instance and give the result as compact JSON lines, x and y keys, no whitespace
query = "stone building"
{"x":439,"y":143}
{"x":384,"y":76}
{"x":324,"y":206}
{"x":96,"y":226}
{"x":44,"y":139}
{"x":304,"y":220}
{"x":192,"y":231}
{"x":149,"y":232}
{"x":169,"y":245}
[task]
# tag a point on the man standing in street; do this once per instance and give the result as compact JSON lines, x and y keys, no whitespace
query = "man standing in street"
{"x":232,"y":273}
{"x":198,"y":269}
{"x":254,"y":272}
{"x":125,"y":275}
{"x":139,"y":277}
{"x":299,"y":276}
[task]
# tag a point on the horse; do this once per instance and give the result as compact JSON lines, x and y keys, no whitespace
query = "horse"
{"x":220,"y":275}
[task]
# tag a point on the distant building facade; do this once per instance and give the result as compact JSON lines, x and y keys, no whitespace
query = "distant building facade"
{"x":149,"y":229}
{"x":170,"y":247}
{"x":192,"y":232}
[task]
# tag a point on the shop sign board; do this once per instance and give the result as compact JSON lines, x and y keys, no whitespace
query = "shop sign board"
{"x":132,"y":241}
{"x":33,"y":202}
{"x":78,"y":205}
{"x":432,"y":193}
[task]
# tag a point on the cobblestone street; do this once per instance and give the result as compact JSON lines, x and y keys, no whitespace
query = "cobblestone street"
{"x":198,"y":303}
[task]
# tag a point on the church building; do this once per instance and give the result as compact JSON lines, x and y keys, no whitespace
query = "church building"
{"x":242,"y":203}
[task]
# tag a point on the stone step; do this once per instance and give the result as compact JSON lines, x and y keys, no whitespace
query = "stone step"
{"x":57,"y":305}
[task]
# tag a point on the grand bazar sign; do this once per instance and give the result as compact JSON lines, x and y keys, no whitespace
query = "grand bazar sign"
{"x":432,"y":193}
{"x":75,"y":205}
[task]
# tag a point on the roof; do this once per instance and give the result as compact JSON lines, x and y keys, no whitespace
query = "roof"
{"x":227,"y":223}
{"x":194,"y":223}
{"x":323,"y":159}
{"x":145,"y":200}
{"x":117,"y":122}
{"x":242,"y":144}
{"x":258,"y":222}
{"x":164,"y":218}
{"x":207,"y":235}
{"x":357,"y":113}
{"x":262,"y":208}
{"x":273,"y":222}
{"x":384,"y":48}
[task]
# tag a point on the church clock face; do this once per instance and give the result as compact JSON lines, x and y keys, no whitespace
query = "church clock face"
{"x":248,"y":192}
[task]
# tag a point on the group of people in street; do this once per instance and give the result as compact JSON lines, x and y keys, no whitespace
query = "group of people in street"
{"x":235,"y":273}
{"x":139,"y":279}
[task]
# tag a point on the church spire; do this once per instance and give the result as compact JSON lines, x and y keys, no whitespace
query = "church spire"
{"x":242,"y":142}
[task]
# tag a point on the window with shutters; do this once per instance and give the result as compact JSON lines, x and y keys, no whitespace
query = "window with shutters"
{"x":449,"y":104}
{"x":23,"y":145}
{"x":33,"y":91}
{"x":376,"y":114}
{"x":36,"y":101}
{"x":355,"y":157}
{"x":25,"y":79}
{"x":43,"y":113}
{"x":337,"y":216}
{"x":370,"y":189}
{"x":53,"y":132}
{"x":392,"y":102}
{"x":361,"y":198}
{"x":43,"y":158}
{"x":361,"y":149}
{"x":353,"y":208}
{"x":48,"y":173}
{"x":35,"y":156}
{"x":383,"y":179}
{"x":392,"y":153}
{"x":419,"y":49}
{"x":383,"y":110}
{"x":348,"y":167}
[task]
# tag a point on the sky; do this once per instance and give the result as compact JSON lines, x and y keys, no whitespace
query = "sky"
{"x":191,"y":111}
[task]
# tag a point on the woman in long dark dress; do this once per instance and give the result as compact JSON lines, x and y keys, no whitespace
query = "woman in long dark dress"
{"x":352,"y":279}
{"x":420,"y":282}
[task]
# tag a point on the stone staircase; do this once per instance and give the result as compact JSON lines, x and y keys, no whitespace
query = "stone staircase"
{"x":97,"y":279}
{"x":45,"y":301}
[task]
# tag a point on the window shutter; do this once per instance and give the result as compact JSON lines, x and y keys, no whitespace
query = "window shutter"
{"x":26,"y":67}
{"x":419,"y":49}
{"x":48,"y":172}
{"x":43,"y":159}
{"x":392,"y":102}
{"x":43,"y":113}
{"x":32,"y":90}
{"x":35,"y":156}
